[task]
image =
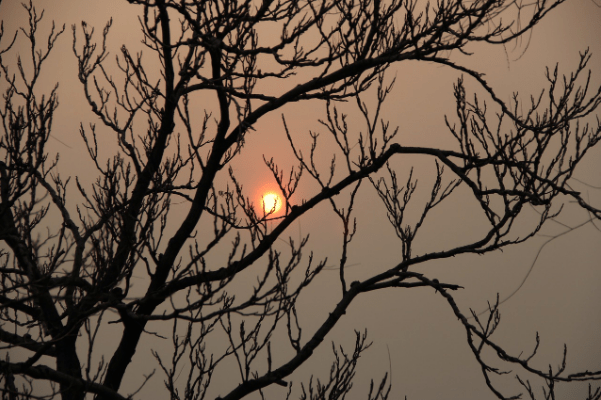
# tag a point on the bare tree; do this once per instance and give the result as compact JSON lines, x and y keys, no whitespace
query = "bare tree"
{"x":63,"y":283}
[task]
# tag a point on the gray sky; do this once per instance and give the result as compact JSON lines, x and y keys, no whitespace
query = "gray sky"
{"x":415,"y":328}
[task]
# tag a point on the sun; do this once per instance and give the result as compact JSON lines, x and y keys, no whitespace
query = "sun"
{"x":272,"y":202}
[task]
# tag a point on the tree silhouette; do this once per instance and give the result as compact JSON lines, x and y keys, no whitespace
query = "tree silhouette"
{"x":65,"y":282}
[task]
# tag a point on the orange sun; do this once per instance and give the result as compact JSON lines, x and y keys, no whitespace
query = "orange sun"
{"x":272,"y":202}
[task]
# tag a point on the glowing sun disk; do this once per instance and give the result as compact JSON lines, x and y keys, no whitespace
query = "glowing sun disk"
{"x":271,"y":203}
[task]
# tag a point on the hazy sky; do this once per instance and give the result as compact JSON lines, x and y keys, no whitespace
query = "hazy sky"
{"x":415,"y":328}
